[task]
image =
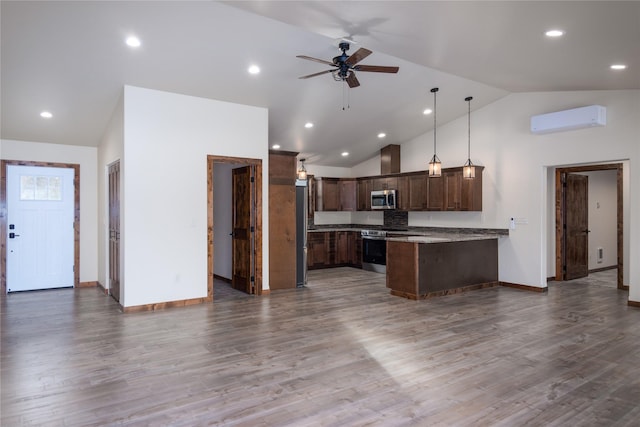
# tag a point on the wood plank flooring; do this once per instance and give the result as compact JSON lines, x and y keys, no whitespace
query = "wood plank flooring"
{"x":340,"y":352}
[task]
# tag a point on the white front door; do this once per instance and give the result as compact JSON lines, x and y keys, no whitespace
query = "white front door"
{"x":40,"y":235}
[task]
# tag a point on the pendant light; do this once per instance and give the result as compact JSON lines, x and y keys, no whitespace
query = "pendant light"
{"x":302,"y":172}
{"x":469,"y":170}
{"x":435,"y":166}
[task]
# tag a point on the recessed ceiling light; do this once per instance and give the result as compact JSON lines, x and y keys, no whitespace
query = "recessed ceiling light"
{"x":618,"y":67}
{"x":275,"y":146}
{"x":308,"y":125}
{"x":254,"y":69}
{"x":554,"y":33}
{"x":427,"y":111}
{"x":345,"y":153}
{"x":133,"y":41}
{"x":46,"y":115}
{"x":382,"y":135}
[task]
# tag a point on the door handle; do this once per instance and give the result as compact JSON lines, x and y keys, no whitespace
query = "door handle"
{"x":13,"y":235}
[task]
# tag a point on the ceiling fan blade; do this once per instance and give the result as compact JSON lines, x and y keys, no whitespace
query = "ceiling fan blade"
{"x":358,"y":56}
{"x":309,"y":58}
{"x":316,"y":74}
{"x":376,"y":68}
{"x":352,"y":81}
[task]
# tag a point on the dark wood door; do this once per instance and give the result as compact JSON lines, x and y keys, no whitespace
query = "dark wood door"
{"x":242,"y":223}
{"x":576,"y":223}
{"x":114,"y":230}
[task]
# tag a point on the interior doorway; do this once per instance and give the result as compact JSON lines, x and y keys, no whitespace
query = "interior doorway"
{"x":238,"y":239}
{"x":571,"y":231}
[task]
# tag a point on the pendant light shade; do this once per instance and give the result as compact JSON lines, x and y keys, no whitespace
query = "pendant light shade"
{"x":302,"y":172}
{"x":435,"y":166}
{"x":469,"y":170}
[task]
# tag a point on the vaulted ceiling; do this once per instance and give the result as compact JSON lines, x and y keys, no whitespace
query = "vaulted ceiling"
{"x":70,"y":58}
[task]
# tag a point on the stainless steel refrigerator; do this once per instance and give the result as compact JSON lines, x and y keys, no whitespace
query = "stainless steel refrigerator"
{"x":301,"y":232}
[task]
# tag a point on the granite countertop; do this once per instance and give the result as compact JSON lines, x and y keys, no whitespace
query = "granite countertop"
{"x":420,"y":234}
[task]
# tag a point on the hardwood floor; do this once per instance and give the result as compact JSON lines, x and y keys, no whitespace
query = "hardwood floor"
{"x":340,"y":352}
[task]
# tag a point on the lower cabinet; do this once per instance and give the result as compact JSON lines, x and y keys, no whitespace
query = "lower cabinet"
{"x":326,"y":249}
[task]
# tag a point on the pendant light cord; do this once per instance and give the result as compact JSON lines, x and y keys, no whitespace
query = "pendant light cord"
{"x":469,"y":128}
{"x":434,"y":90}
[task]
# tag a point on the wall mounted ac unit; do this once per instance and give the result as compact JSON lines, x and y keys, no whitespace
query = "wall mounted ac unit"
{"x":576,"y":118}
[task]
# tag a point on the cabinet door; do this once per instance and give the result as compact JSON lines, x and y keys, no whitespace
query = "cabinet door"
{"x":452,"y":189}
{"x":402,"y":193}
{"x":342,"y":248}
{"x":357,"y":239}
{"x":364,"y":194}
{"x":435,"y":193}
{"x":384,"y":183}
{"x":318,"y":253}
{"x":327,"y":198}
{"x":417,"y":186}
{"x":347,"y":191}
{"x":471,"y":192}
{"x":311,"y":199}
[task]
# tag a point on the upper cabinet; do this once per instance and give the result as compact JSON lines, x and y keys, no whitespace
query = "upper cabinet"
{"x":461,"y":194}
{"x":416,"y":191}
{"x":327,"y":194}
{"x":347,"y":191}
{"x":363,"y":190}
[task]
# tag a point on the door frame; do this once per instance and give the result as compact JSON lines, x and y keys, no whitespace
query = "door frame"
{"x":560,"y":236}
{"x":257,"y":165}
{"x":3,"y":216}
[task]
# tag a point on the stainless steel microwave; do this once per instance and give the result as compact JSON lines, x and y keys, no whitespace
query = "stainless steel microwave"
{"x":383,"y":199}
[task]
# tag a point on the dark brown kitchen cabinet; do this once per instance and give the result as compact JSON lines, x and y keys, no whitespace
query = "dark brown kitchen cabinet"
{"x":348,"y":194}
{"x":416,"y":191}
{"x":326,"y":249}
{"x":435,"y":193}
{"x":327,"y":194}
{"x":384,"y":183}
{"x":412,"y":191}
{"x":311,"y":199}
{"x":342,"y":248}
{"x":318,"y":249}
{"x":364,"y":194}
{"x":452,"y":181}
{"x":462,"y":194}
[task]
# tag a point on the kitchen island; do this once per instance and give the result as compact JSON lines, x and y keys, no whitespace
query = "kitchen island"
{"x":421,"y":267}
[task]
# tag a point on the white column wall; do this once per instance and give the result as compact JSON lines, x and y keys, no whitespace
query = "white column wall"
{"x":167,"y":138}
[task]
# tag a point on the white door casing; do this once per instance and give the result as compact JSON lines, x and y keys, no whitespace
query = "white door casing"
{"x":40,"y":234}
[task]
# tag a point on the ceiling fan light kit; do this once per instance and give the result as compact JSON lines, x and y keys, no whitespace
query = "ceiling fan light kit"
{"x":345,"y":66}
{"x":435,"y":166}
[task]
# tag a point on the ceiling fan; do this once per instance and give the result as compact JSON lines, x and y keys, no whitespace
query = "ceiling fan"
{"x":345,"y":65}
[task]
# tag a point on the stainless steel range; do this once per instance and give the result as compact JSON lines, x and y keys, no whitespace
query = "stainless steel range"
{"x":374,"y":250}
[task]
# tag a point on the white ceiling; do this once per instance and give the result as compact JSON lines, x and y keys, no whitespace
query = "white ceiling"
{"x":70,"y":58}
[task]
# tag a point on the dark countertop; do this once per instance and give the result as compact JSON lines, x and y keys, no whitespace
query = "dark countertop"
{"x":420,"y":234}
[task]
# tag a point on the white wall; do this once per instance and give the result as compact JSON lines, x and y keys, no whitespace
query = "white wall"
{"x":167,"y":138}
{"x":515,"y":179}
{"x":86,"y":157}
